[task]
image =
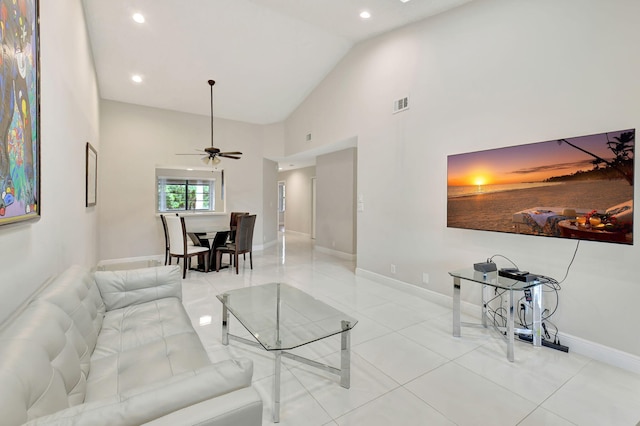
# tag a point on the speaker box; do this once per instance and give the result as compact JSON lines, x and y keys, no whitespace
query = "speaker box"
{"x":485,"y":267}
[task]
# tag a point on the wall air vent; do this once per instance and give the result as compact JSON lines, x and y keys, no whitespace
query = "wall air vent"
{"x":401,"y":104}
{"x":308,"y":137}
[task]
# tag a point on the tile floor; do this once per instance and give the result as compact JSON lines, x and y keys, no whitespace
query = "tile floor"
{"x":406,"y":368}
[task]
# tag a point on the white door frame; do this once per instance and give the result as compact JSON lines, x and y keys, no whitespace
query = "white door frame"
{"x":313,"y":208}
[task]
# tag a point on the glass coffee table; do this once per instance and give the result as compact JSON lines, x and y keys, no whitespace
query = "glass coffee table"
{"x":281,"y":318}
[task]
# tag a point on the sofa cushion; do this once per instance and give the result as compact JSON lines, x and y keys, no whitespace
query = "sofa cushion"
{"x":141,"y":344}
{"x":75,"y":292}
{"x":134,"y":326}
{"x":130,"y":287}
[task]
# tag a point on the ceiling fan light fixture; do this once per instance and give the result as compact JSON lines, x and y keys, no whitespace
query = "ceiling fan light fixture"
{"x":213,"y":154}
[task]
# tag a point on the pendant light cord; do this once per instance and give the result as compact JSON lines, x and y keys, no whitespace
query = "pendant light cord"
{"x":211,"y":83}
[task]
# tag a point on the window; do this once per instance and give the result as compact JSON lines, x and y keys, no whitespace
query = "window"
{"x":189,"y":190}
{"x":185,"y":194}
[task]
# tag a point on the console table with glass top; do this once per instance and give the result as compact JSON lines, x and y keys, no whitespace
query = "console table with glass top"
{"x":281,"y":318}
{"x":493,"y":280}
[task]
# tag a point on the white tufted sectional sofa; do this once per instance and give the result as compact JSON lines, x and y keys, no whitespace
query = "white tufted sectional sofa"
{"x":117,"y":348}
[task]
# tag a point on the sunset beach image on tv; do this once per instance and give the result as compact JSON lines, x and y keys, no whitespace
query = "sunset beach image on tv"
{"x":580,"y":187}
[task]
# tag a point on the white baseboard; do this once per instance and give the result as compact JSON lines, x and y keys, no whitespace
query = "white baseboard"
{"x":128,"y":260}
{"x":423,"y":293}
{"x":602,"y":353}
{"x":593,"y":350}
{"x":260,"y":247}
{"x":336,"y":253}
{"x":302,"y":234}
{"x":160,"y":257}
{"x":325,"y":250}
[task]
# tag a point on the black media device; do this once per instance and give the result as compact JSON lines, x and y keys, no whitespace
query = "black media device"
{"x":517,"y":275}
{"x":485,"y":267}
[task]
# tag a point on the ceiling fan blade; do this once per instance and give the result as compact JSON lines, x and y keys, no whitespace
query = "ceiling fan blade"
{"x":229,"y":156}
{"x":232,"y":153}
{"x":190,"y":154}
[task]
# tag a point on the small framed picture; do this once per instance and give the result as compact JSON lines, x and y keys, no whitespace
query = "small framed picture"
{"x":91,"y":176}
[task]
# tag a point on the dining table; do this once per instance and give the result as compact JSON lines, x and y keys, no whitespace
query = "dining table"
{"x":208,"y":239}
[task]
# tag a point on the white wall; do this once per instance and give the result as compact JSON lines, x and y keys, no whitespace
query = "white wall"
{"x":270,"y":202}
{"x":273,"y":140}
{"x":336,"y":200}
{"x":66,"y":233}
{"x":135,"y":140}
{"x":297,"y":214}
{"x":489,"y":74}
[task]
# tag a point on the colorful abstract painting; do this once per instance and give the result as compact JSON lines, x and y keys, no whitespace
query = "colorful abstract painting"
{"x":19,"y":111}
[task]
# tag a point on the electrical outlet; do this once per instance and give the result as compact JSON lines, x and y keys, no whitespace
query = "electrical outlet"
{"x":393,"y":268}
{"x":425,"y":278}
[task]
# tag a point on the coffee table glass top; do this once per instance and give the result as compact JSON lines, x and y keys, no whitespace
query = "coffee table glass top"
{"x":493,"y":279}
{"x":281,"y":317}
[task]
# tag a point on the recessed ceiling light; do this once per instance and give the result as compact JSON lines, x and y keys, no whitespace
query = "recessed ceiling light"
{"x":138,"y":17}
{"x":136,"y":78}
{"x":365,"y":14}
{"x":404,"y":1}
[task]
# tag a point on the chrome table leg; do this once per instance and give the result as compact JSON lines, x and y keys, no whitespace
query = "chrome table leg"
{"x":225,"y":321}
{"x":345,"y":356}
{"x":276,"y":386}
{"x":536,"y":293}
{"x":510,"y":326}
{"x":456,"y":307}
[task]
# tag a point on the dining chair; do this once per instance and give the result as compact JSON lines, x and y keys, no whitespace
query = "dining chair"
{"x":178,"y":246}
{"x":166,"y":239}
{"x":233,"y":224}
{"x":198,"y":239}
{"x":243,"y":243}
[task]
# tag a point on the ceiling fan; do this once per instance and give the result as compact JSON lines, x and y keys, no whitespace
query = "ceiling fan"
{"x":213,"y":154}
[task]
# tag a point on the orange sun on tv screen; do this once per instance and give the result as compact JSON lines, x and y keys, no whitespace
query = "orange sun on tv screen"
{"x":479,"y":180}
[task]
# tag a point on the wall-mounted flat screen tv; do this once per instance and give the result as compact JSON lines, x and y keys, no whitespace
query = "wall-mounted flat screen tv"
{"x":579,"y":187}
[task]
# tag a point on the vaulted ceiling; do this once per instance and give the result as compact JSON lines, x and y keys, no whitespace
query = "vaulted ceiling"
{"x":265,"y":55}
